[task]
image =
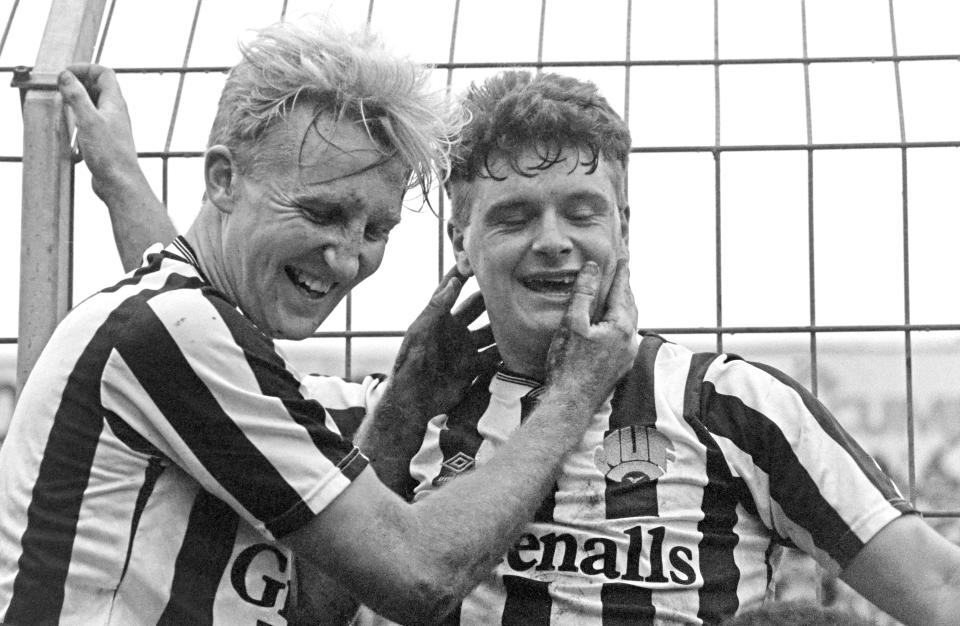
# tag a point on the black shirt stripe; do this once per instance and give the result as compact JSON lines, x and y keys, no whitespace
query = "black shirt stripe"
{"x":718,"y":595}
{"x":47,"y":542}
{"x":833,"y":428}
{"x":528,"y":602}
{"x":200,"y":563}
{"x":275,"y":380}
{"x":633,"y":406}
{"x":218,"y":442}
{"x":791,"y":486}
{"x":626,"y":605}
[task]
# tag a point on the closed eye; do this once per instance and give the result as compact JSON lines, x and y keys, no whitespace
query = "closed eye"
{"x":580,"y":207}
{"x":583,"y":213}
{"x":509,"y":215}
{"x":323,"y":216}
{"x":377,"y":233}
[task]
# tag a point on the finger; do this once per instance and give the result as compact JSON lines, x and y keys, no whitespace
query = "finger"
{"x":481,"y":337}
{"x":577,"y":316}
{"x":445,"y":296}
{"x":101,"y":84}
{"x":453,"y":271}
{"x":470,"y":309}
{"x":107,"y":89}
{"x":85,"y":73}
{"x":620,"y":301}
{"x":76,"y":96}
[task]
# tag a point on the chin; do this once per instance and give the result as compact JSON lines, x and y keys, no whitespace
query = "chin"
{"x":537,"y":335}
{"x":547,"y":323}
{"x":293,"y":330}
{"x":302,"y":331}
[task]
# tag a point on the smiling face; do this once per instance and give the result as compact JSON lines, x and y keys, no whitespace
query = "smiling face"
{"x":527,"y":238}
{"x":308,"y":222}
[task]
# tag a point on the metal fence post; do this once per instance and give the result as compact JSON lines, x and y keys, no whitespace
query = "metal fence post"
{"x":46,"y":230}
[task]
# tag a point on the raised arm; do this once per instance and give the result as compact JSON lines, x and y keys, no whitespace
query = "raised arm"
{"x":413,"y":563}
{"x":438,"y":360}
{"x":139,"y":219}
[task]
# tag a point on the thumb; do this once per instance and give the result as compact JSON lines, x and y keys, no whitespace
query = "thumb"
{"x":585,"y":288}
{"x":76,"y":96}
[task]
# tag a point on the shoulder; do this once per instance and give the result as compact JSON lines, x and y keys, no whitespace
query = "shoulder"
{"x":167,"y":306}
{"x":729,"y":374}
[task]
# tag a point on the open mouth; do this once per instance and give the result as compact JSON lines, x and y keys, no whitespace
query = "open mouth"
{"x":313,"y":288}
{"x":559,"y":284}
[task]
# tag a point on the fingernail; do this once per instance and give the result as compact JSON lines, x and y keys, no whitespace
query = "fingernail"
{"x":65,"y":78}
{"x":590,"y":268}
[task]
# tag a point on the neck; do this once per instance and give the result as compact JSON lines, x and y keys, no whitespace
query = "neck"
{"x":525,"y":356}
{"x":204,"y":237}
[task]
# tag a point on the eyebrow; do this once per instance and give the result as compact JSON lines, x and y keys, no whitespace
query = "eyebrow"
{"x":317,"y":198}
{"x":350,"y":203}
{"x":589,"y":196}
{"x":510,"y":204}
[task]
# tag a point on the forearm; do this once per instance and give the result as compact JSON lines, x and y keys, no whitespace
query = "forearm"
{"x":320,"y":600}
{"x":937,"y":604}
{"x":138,"y":217}
{"x":947,"y":606}
{"x":458,"y":534}
{"x":413,"y":563}
{"x":911,"y":572}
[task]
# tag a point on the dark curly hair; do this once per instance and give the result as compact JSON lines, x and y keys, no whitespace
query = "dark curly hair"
{"x":514,"y":112}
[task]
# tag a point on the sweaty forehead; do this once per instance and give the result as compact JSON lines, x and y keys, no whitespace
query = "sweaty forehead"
{"x":322,"y":148}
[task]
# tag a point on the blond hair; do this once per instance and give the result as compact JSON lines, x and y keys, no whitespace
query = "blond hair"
{"x":349,"y":75}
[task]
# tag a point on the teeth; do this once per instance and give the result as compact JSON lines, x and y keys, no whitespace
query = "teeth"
{"x":553,"y":283}
{"x":563,"y":280}
{"x":315,"y":285}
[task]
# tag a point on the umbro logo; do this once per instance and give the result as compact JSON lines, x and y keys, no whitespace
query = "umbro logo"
{"x":459,"y":463}
{"x":634,"y":454}
{"x":454,"y":466}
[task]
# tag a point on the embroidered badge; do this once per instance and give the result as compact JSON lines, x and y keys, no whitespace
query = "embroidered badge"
{"x":634,"y":454}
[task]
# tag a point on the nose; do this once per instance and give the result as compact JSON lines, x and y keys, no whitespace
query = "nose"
{"x":342,"y":256}
{"x":551,"y":237}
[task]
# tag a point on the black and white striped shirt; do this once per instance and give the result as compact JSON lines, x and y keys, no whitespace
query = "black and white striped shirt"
{"x":672,"y":508}
{"x":159,"y":449}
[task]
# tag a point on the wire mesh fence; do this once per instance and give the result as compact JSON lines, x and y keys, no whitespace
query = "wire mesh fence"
{"x":791,"y":181}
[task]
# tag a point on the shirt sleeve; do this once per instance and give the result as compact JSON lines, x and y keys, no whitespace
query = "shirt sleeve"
{"x":202,"y":384}
{"x":810,"y":482}
{"x":346,"y":403}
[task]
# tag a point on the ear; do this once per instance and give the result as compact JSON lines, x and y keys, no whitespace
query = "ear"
{"x":220,"y":177}
{"x":456,"y":235}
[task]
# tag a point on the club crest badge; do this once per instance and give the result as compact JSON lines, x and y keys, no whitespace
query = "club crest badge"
{"x":634,"y":454}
